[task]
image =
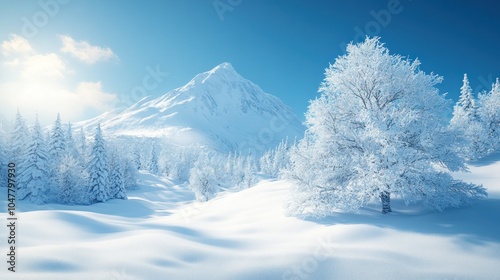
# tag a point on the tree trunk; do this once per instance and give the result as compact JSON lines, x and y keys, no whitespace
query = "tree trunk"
{"x":385,"y":197}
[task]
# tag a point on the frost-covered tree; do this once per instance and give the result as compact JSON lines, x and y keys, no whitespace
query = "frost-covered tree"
{"x":72,"y":181}
{"x":229,"y":166}
{"x":33,"y":180}
{"x":137,"y":158}
{"x":466,"y":105}
{"x":249,"y":177}
{"x":489,"y":111}
{"x":71,"y":147}
{"x":275,"y":160}
{"x":81,"y":143}
{"x":19,"y":140}
{"x":467,"y":123}
{"x":57,"y":144}
{"x":377,"y":130}
{"x":3,"y":156}
{"x":129,"y":174}
{"x":98,"y":170}
{"x":180,"y":162}
{"x":203,"y":179}
{"x":239,"y":169}
{"x":116,"y":178}
{"x":153,"y":162}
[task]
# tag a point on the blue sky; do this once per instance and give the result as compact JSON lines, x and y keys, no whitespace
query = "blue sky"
{"x":81,"y":58}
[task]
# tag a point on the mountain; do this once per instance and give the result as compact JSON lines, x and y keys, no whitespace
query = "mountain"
{"x":217,"y":109}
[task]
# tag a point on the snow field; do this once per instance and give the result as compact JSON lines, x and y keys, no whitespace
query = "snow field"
{"x":161,"y":232}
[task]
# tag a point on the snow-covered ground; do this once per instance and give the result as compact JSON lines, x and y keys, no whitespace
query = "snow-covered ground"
{"x":162,"y":233}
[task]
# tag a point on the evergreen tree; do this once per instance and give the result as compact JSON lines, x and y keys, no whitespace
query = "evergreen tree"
{"x":116,"y":179}
{"x":153,"y":163}
{"x":72,"y":181}
{"x":71,"y":148}
{"x":267,"y":164}
{"x":98,"y":170}
{"x":377,"y":130}
{"x":57,"y":141}
{"x":489,"y":111}
{"x":81,"y":144}
{"x":129,"y":174}
{"x":33,"y":181}
{"x":248,"y":173}
{"x":137,"y":158}
{"x":20,"y":138}
{"x":467,"y":123}
{"x":3,"y":157}
{"x":275,"y":160}
{"x":466,"y":105}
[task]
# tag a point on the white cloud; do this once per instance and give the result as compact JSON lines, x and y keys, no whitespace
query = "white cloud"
{"x":42,"y":66}
{"x":16,"y":45}
{"x":91,"y":95}
{"x":43,"y":83}
{"x":48,"y":99}
{"x":84,"y":51}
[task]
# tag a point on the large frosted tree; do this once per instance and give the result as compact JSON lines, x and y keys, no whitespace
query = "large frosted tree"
{"x":378,"y":130}
{"x":98,"y":170}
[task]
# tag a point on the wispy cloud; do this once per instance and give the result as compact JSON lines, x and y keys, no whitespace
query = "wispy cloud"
{"x":15,"y":46}
{"x":84,"y":51}
{"x":45,"y":83}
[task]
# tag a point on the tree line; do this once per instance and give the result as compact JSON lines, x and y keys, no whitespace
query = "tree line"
{"x":60,"y":166}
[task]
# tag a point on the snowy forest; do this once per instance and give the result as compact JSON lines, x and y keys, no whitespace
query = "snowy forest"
{"x":60,"y":166}
{"x":379,"y":129}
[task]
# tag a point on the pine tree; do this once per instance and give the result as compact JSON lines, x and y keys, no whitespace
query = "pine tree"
{"x":248,"y":173}
{"x":57,"y":141}
{"x":153,"y":163}
{"x":129,"y":174}
{"x":116,"y":180}
{"x":466,"y":121}
{"x":3,"y":157}
{"x":33,"y":179}
{"x":466,"y":102}
{"x":71,"y":148}
{"x":238,"y":169}
{"x":20,"y":138}
{"x":81,"y":144}
{"x":489,"y":111}
{"x":98,"y":170}
{"x":137,"y":158}
{"x":276,"y":159}
{"x":71,"y":181}
{"x":377,"y":130}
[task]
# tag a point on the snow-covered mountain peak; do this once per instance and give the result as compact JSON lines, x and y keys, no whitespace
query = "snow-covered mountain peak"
{"x":217,"y":108}
{"x":220,"y":74}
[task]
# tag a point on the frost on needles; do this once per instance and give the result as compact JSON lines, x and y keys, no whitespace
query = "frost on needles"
{"x":377,"y":130}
